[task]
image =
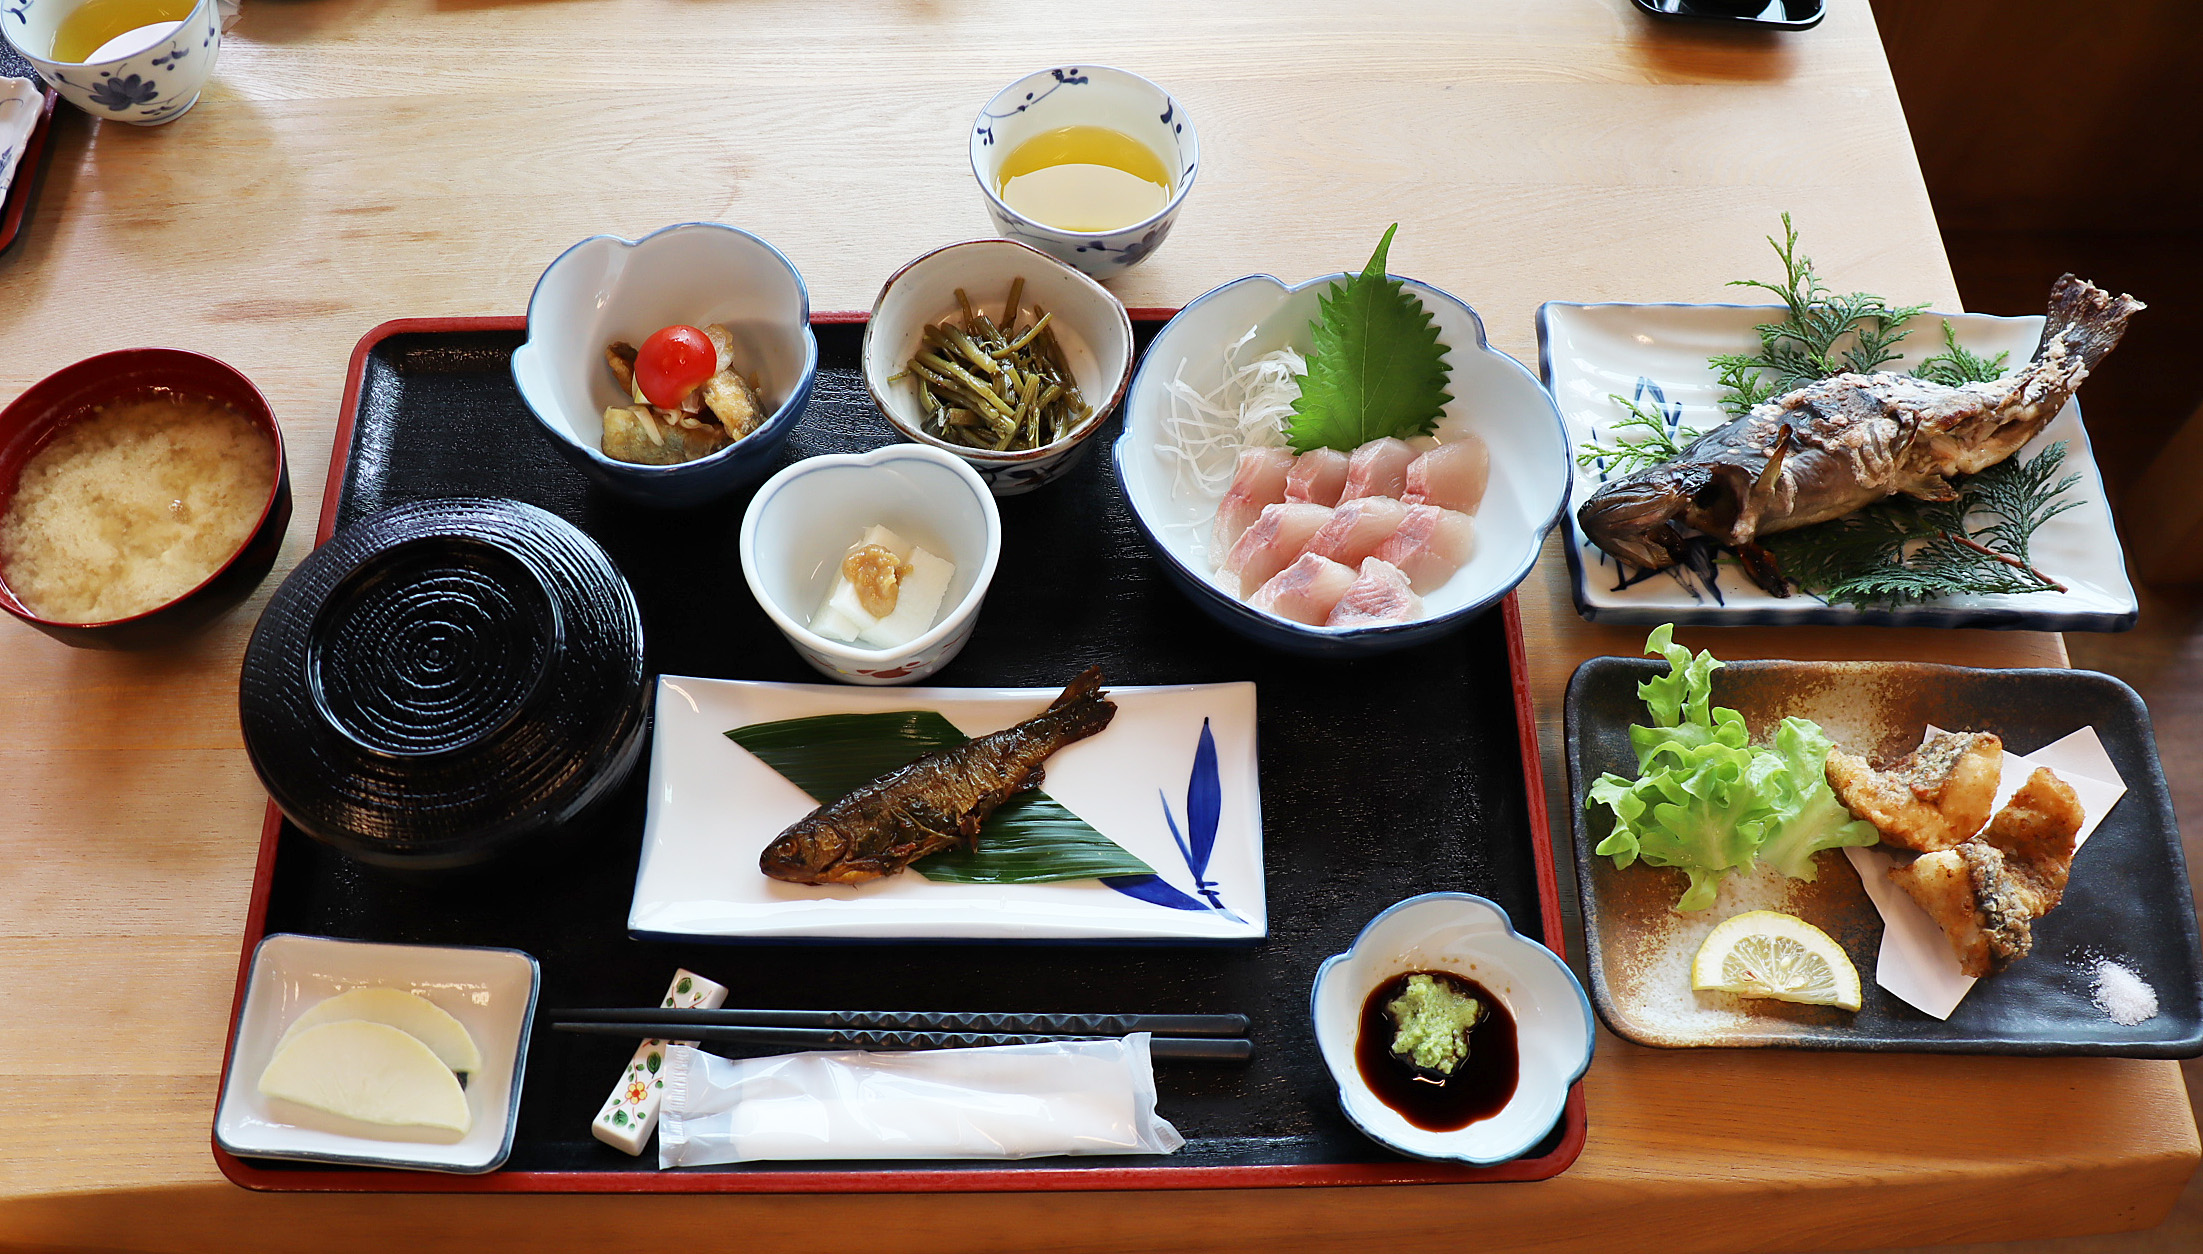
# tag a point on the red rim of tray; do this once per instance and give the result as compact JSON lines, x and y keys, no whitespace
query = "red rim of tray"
{"x":915,"y":1180}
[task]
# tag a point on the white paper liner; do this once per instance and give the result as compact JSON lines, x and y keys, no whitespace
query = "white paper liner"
{"x":1010,"y":1101}
{"x":1917,"y":963}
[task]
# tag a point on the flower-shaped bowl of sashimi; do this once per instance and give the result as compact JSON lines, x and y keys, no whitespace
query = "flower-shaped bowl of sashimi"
{"x":1335,"y":553}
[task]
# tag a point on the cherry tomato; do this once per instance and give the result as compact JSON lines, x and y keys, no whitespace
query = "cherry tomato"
{"x":673,"y":363}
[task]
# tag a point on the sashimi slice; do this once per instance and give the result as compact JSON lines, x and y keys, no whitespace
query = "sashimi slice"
{"x":1378,"y":468}
{"x":1258,"y":479}
{"x":1451,"y":476}
{"x":1318,"y":475}
{"x":1429,"y":545}
{"x":1379,"y":594}
{"x":1271,"y":544}
{"x":1304,"y":591}
{"x":1357,"y":527}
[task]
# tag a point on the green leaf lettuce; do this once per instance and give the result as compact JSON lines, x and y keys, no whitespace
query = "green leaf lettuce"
{"x":1707,"y":802}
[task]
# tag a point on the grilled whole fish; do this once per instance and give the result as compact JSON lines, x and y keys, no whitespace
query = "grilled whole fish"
{"x":1848,"y":441}
{"x":935,"y":802}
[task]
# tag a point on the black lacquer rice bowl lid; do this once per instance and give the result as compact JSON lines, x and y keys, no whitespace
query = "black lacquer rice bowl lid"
{"x":444,"y":681}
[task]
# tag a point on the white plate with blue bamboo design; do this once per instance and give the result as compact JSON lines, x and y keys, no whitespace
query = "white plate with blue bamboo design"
{"x":1656,"y":355}
{"x":1172,"y":780}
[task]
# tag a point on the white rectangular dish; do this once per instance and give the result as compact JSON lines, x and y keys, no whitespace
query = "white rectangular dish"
{"x":491,"y":992}
{"x":713,"y":807}
{"x":1656,"y":355}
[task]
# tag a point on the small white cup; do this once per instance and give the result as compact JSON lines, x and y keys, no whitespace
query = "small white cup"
{"x":1086,"y":95}
{"x":155,"y":84}
{"x":802,"y":522}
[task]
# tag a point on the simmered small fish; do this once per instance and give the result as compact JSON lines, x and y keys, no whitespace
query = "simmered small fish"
{"x":936,"y":802}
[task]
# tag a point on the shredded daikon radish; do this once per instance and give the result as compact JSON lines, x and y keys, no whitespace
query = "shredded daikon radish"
{"x":1204,"y":432}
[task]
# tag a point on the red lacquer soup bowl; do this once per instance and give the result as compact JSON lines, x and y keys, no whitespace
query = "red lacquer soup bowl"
{"x":35,"y":418}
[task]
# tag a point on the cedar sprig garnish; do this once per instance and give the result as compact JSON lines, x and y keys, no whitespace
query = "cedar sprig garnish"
{"x":1955,"y":367}
{"x":1645,"y":438}
{"x":1901,"y":551}
{"x":1824,"y":333}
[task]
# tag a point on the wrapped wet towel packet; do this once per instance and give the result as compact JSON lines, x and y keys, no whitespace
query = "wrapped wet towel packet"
{"x":21,"y":101}
{"x":1007,"y":1101}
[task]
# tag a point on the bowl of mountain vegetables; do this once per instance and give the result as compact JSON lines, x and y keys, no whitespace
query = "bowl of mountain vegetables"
{"x":1000,"y":354}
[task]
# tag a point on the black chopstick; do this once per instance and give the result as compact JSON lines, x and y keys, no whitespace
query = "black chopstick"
{"x":922,"y":1021}
{"x":1209,"y":1049}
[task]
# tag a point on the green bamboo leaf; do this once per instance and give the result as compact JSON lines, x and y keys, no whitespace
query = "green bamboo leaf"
{"x":1377,"y":368}
{"x":1030,"y":839}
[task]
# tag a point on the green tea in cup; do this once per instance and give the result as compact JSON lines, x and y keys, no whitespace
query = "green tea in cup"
{"x":102,"y":30}
{"x":1084,"y":178}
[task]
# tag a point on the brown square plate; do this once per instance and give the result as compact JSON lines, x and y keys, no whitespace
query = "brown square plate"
{"x":2128,"y":900}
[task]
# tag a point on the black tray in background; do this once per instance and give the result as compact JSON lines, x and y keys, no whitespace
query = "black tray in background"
{"x":1381,"y":778}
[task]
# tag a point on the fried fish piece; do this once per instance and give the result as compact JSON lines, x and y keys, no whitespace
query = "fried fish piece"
{"x":1986,"y":893}
{"x":1933,"y":798}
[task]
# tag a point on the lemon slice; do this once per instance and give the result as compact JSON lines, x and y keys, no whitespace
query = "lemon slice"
{"x":1764,"y":953}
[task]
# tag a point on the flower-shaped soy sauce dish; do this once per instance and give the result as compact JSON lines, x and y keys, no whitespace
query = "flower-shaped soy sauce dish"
{"x":1470,"y":938}
{"x":1494,"y":398}
{"x":806,"y":519}
{"x":695,"y":274}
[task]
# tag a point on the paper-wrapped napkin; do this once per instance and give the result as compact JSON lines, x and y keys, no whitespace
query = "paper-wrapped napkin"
{"x":1008,"y":1101}
{"x":1917,"y":962}
{"x":20,"y":103}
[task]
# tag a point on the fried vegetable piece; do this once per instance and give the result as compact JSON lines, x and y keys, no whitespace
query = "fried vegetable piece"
{"x":1932,"y":799}
{"x":731,"y":401}
{"x":620,"y":356}
{"x":1987,"y":892}
{"x":636,"y":433}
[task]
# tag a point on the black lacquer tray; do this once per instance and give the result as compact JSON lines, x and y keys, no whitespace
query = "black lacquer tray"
{"x":1381,"y":778}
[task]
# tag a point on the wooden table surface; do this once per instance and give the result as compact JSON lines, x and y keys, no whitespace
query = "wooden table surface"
{"x":360,"y":160}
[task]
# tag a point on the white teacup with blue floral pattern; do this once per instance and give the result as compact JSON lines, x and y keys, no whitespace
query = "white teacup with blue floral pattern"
{"x":155,"y":84}
{"x":1084,"y":95}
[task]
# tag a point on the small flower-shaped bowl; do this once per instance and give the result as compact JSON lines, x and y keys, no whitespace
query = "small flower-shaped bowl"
{"x":31,"y":421}
{"x":697,"y":273}
{"x":801,"y":523}
{"x":1494,"y":398}
{"x":1471,"y":937}
{"x":1090,"y":324}
{"x":142,"y":82}
{"x":1086,"y":95}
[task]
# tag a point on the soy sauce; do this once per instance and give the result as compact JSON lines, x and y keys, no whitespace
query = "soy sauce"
{"x":1478,"y":1088}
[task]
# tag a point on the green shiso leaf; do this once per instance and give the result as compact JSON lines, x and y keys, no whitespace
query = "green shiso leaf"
{"x":1377,"y":368}
{"x":1705,"y":801}
{"x":1030,"y":839}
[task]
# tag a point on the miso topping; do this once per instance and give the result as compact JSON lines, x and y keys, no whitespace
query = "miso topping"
{"x":1433,"y":1016}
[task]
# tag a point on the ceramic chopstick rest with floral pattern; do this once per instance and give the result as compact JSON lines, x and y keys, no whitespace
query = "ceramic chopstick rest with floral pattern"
{"x":631,"y":1112}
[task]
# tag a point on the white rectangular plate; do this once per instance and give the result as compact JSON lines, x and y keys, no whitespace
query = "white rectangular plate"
{"x":491,"y":992}
{"x":714,"y":807}
{"x":1587,"y":353}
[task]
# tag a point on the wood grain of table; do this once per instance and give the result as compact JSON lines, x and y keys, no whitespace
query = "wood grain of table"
{"x":354,"y":162}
